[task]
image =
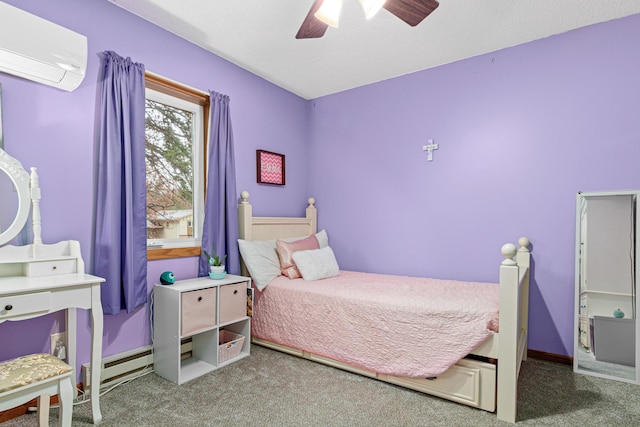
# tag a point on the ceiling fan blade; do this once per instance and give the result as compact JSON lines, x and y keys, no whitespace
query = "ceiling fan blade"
{"x":312,"y":27}
{"x":411,"y":11}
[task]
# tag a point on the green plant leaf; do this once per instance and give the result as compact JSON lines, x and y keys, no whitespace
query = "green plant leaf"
{"x":213,"y":258}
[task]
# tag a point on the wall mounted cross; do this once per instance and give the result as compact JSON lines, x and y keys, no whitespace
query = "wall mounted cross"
{"x":429,"y":149}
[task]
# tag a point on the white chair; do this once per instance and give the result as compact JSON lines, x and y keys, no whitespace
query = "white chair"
{"x":37,"y":376}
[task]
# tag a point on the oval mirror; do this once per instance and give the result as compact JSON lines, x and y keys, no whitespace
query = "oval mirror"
{"x":15,"y":189}
{"x":9,"y":201}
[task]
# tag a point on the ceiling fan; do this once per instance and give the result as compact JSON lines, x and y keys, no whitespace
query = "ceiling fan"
{"x":324,"y":13}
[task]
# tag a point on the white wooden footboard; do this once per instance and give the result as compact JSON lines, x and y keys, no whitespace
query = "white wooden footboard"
{"x":514,"y":315}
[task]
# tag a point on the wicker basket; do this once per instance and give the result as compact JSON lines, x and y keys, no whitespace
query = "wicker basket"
{"x":229,"y":345}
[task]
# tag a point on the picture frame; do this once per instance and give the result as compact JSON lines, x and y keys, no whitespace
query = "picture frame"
{"x":270,"y":168}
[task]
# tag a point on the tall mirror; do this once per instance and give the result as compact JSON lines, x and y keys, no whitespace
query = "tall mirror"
{"x":607,"y":341}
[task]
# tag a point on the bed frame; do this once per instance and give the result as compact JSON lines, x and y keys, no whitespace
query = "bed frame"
{"x":488,"y":378}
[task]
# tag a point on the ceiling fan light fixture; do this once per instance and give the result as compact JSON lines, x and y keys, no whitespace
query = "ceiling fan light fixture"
{"x":371,"y":7}
{"x":329,"y":12}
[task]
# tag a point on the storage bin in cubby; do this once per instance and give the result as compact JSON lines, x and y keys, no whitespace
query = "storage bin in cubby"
{"x":198,"y":310}
{"x":229,"y":345}
{"x":233,"y":302}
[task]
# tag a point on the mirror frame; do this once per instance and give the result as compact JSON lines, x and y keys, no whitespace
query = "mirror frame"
{"x":576,"y":338}
{"x":20,"y":178}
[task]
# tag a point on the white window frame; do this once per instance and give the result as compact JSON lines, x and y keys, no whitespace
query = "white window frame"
{"x":198,"y":170}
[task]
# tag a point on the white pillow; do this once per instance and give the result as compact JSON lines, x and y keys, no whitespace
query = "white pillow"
{"x":316,"y":264}
{"x":261,"y":259}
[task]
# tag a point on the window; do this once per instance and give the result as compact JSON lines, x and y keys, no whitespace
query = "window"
{"x":175,"y":133}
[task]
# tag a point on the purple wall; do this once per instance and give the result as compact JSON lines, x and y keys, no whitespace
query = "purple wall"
{"x":54,"y":131}
{"x":520,"y":131}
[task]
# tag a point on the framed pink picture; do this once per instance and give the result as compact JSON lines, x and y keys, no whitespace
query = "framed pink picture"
{"x":270,"y":167}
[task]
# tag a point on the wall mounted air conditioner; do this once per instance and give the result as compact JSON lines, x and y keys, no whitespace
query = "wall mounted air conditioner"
{"x":39,"y":50}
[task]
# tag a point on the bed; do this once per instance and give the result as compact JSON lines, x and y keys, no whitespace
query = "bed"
{"x":484,"y":375}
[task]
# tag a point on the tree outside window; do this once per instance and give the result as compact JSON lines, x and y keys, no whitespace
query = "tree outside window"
{"x":174,"y":130}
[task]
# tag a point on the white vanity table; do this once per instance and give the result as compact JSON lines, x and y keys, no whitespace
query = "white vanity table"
{"x":39,"y":279}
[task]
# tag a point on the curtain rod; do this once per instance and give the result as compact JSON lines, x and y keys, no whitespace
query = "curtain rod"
{"x":160,"y":76}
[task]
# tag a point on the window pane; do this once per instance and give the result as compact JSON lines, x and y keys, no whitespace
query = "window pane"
{"x":169,"y":160}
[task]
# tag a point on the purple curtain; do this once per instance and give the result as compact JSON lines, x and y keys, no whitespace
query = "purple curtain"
{"x":221,"y":203}
{"x":120,"y":241}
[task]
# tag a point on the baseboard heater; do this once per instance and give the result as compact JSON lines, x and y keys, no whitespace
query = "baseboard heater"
{"x":124,"y":366}
{"x":120,"y":367}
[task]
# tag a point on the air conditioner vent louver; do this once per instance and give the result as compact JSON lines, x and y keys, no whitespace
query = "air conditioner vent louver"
{"x":38,"y":50}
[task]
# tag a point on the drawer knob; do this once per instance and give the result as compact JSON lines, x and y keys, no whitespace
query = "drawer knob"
{"x":8,"y":307}
{"x":199,"y":298}
{"x":54,"y":267}
{"x":235,"y":292}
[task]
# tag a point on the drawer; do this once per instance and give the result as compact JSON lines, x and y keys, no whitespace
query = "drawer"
{"x":48,"y":268}
{"x":469,"y":382}
{"x":198,"y":310}
{"x":24,"y":304}
{"x":233,"y":302}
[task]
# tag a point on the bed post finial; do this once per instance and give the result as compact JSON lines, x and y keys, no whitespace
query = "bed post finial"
{"x":524,"y":243}
{"x":509,"y":251}
{"x":244,"y":196}
{"x":312,"y":216}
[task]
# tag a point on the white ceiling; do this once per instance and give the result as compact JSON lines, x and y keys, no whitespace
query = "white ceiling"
{"x":259,"y":35}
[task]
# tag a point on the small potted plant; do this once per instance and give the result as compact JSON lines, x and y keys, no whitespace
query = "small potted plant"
{"x":216,"y":264}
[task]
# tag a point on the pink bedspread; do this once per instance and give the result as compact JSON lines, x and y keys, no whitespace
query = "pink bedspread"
{"x":403,"y":326}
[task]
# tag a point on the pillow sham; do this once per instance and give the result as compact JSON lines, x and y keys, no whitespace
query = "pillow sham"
{"x":286,"y":249}
{"x":316,"y":264}
{"x":261,"y":259}
{"x":323,"y":238}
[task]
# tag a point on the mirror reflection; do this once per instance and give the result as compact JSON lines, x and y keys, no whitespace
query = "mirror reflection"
{"x":606,"y":285}
{"x":16,"y":191}
{"x":9,"y":203}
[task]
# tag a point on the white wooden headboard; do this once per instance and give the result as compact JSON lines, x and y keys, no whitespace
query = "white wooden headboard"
{"x":267,"y":228}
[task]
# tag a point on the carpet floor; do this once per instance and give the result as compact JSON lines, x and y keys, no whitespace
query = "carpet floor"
{"x":270,"y":388}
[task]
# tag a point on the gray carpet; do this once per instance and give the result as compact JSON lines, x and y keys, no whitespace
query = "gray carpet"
{"x":274,"y":389}
{"x":587,"y":362}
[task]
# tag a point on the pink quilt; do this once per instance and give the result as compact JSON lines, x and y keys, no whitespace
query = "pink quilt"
{"x":402,"y":326}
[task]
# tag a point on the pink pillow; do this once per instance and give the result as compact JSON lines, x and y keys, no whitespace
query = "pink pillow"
{"x":285,"y":251}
